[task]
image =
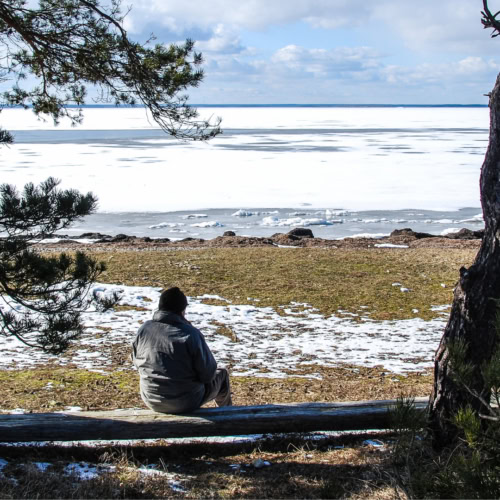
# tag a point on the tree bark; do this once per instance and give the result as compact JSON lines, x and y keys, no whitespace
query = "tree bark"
{"x":475,"y":304}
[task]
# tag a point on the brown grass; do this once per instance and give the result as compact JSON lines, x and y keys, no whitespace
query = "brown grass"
{"x":54,"y":388}
{"x":335,"y":467}
{"x":328,"y":279}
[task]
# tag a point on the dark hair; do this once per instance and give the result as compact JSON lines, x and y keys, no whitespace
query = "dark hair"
{"x":172,"y":300}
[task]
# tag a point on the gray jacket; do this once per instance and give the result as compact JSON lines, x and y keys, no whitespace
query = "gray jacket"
{"x":174,"y":363}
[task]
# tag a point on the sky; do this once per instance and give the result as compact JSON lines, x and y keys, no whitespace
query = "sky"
{"x":330,"y":51}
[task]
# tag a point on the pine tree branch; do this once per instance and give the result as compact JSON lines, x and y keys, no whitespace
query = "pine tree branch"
{"x":476,"y":395}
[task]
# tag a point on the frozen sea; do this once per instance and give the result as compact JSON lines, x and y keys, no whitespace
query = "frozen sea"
{"x":343,"y":171}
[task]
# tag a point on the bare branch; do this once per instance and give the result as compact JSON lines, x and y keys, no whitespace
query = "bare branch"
{"x":490,"y":20}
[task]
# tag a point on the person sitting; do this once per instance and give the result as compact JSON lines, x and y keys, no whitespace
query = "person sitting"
{"x":178,"y":372}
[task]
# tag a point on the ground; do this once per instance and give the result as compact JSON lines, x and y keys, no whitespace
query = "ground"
{"x":328,"y":279}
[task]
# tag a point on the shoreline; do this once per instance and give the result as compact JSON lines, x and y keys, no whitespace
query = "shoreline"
{"x":296,"y":238}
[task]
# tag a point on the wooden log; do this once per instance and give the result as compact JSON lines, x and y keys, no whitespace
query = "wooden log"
{"x":233,"y":420}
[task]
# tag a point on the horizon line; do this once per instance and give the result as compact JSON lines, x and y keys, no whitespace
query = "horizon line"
{"x":333,"y":105}
{"x":275,"y":105}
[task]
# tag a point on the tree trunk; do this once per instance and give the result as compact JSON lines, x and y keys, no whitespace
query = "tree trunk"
{"x":225,"y":421}
{"x":475,"y":299}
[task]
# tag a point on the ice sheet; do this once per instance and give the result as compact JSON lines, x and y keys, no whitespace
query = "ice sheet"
{"x":352,"y":158}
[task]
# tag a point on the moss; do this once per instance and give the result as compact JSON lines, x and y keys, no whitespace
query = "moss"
{"x":41,"y":389}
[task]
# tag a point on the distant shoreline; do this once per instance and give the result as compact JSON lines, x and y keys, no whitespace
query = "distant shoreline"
{"x":289,"y":105}
{"x":339,"y":105}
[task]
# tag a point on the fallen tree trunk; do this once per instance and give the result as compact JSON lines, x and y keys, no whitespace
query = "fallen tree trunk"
{"x":233,"y":420}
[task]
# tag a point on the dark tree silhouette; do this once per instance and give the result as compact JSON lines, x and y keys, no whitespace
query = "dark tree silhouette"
{"x":475,"y":304}
{"x":43,"y":295}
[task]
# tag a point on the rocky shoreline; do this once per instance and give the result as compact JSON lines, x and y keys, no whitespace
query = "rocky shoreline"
{"x":297,"y":237}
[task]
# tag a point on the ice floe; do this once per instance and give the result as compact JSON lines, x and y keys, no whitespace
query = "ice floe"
{"x":244,"y":213}
{"x":284,"y":159}
{"x":297,"y":222}
{"x":375,"y":236}
{"x":212,"y":223}
{"x":194,"y":216}
{"x":163,"y":225}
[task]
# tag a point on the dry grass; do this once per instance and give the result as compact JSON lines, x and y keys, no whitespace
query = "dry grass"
{"x":328,"y":279}
{"x":336,"y":467}
{"x":54,"y":388}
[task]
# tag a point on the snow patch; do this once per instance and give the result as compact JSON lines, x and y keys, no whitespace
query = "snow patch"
{"x":163,"y":225}
{"x":269,"y":343}
{"x":389,"y":245}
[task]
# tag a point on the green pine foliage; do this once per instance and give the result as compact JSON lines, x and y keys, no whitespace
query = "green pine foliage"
{"x":45,"y":295}
{"x":73,"y":45}
{"x":474,"y":468}
{"x":463,"y":373}
{"x":470,"y":467}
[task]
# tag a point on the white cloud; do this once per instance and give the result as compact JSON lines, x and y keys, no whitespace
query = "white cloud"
{"x":454,"y":24}
{"x":412,"y":51}
{"x":323,"y":62}
{"x":466,"y":71}
{"x":451,"y":25}
{"x":223,"y":41}
{"x":476,"y":66}
{"x":251,"y":14}
{"x":345,"y":75}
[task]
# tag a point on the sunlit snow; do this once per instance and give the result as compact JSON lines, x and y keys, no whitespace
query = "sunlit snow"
{"x":263,"y":343}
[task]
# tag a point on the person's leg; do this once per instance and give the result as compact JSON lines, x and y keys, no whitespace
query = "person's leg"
{"x":219,"y":389}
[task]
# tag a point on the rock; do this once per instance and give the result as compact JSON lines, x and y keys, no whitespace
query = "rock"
{"x":286,"y":240}
{"x":409,"y":233}
{"x":120,"y":237}
{"x":71,"y":242}
{"x":59,"y":236}
{"x":188,"y":239}
{"x":266,"y":241}
{"x":95,"y":236}
{"x":258,"y":463}
{"x":300,"y":232}
{"x":229,"y":233}
{"x":466,"y":234}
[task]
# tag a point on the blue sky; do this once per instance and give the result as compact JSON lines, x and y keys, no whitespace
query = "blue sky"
{"x":330,"y":51}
